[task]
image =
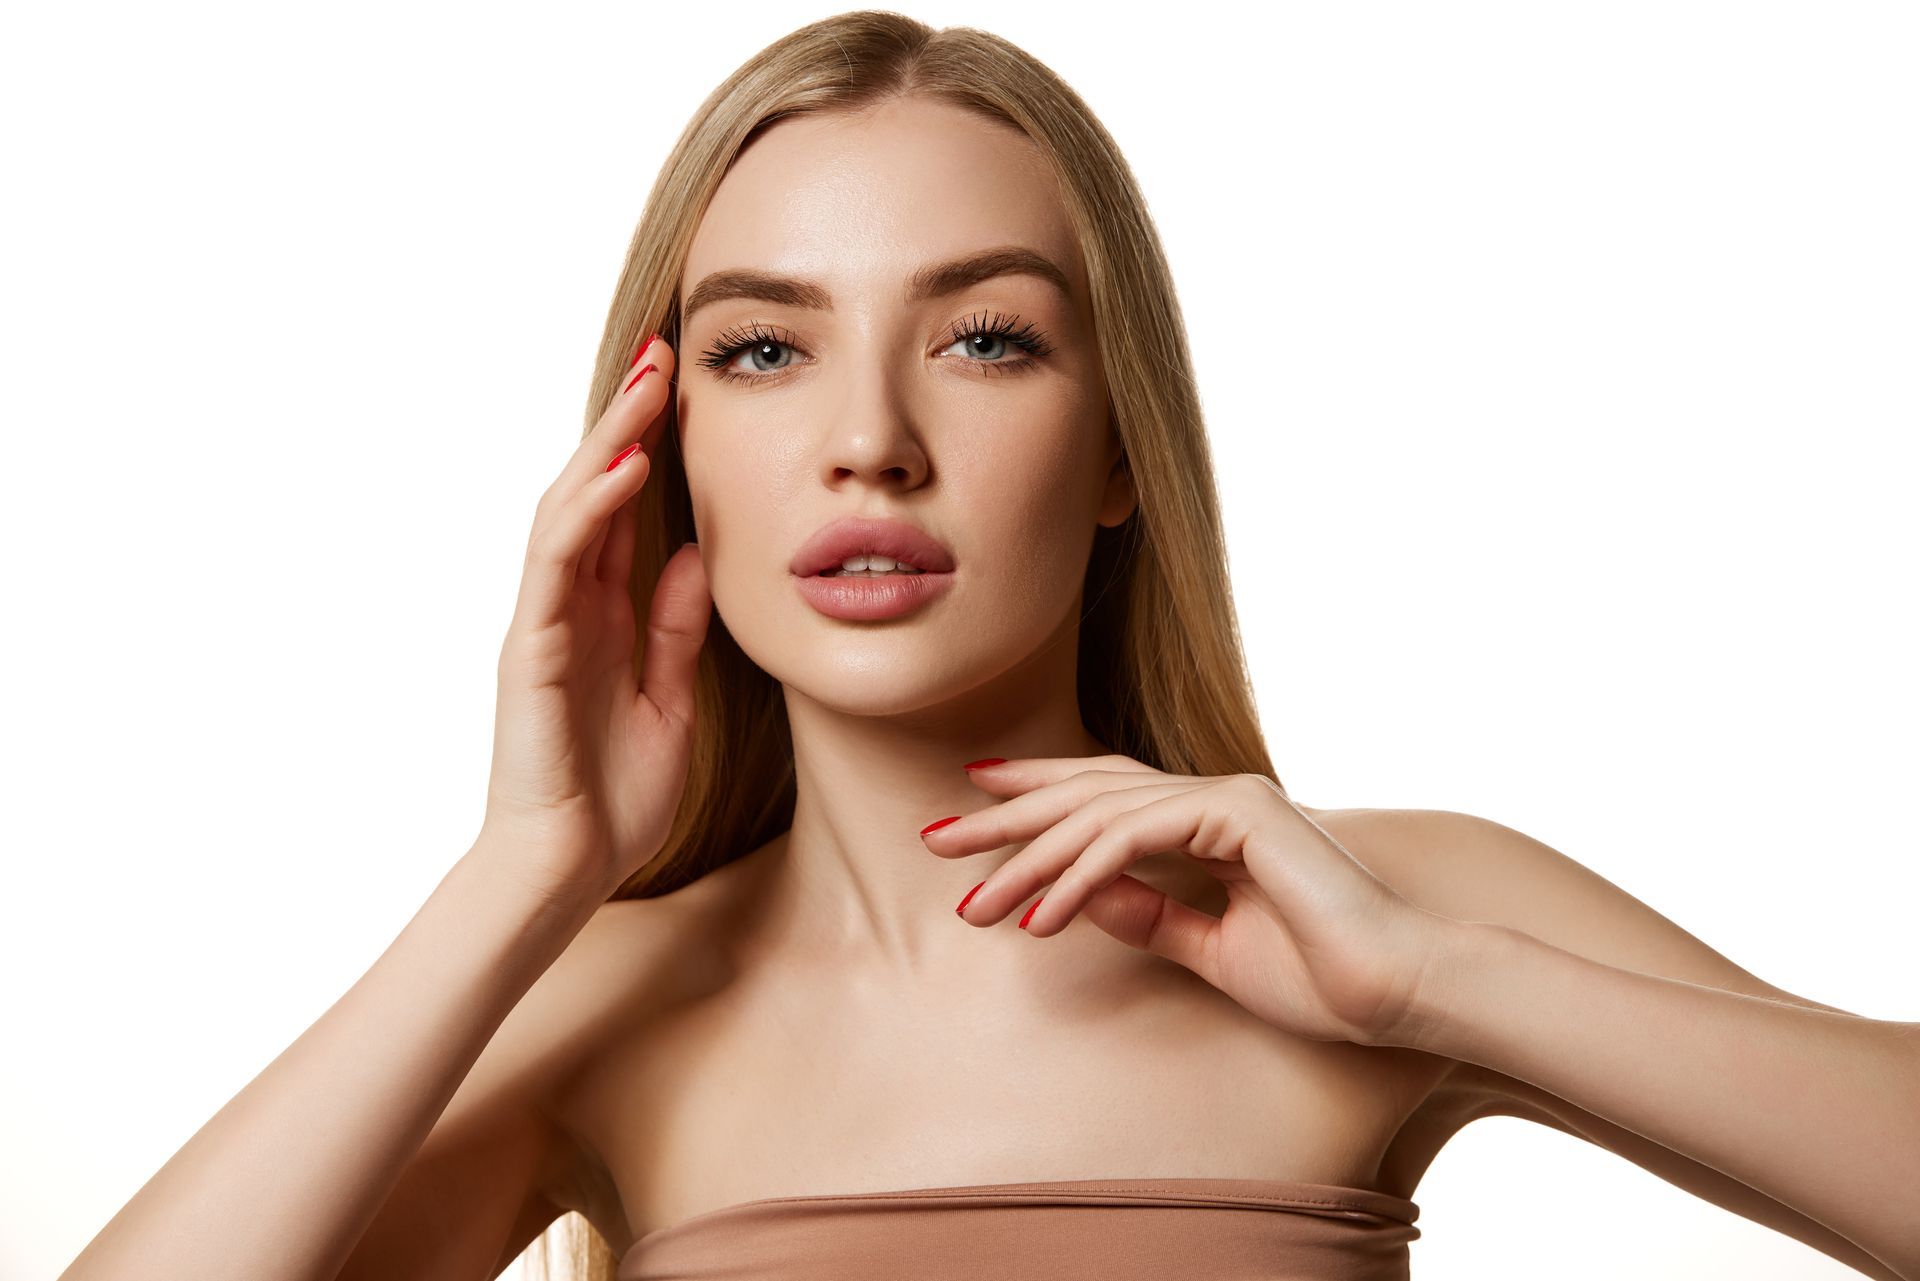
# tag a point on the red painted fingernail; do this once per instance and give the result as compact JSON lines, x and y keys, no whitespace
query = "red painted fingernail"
{"x":623,"y":455}
{"x":961,"y":911}
{"x":644,"y":371}
{"x":939,"y":822}
{"x":1029,"y":916}
{"x":643,"y":350}
{"x":991,"y":760}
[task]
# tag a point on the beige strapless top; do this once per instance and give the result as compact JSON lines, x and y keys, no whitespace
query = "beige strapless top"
{"x":1075,"y":1230}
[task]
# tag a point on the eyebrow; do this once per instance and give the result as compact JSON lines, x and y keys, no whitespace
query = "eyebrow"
{"x":936,"y":280}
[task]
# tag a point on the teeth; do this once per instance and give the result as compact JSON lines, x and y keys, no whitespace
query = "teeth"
{"x":868,"y":562}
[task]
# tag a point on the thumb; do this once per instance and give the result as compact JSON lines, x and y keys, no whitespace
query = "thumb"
{"x":1143,"y":917}
{"x":676,"y":628}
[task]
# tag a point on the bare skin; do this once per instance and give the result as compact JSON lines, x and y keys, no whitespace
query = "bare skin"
{"x":875,"y":408}
{"x":1102,"y":1062}
{"x":828,"y":965}
{"x":689,"y":1105}
{"x":812,"y":1018}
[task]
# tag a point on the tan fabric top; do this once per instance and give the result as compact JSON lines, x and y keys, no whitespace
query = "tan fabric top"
{"x":1076,"y":1230}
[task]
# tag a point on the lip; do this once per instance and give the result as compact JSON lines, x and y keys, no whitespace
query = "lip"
{"x":870,"y":599}
{"x":884,"y":536}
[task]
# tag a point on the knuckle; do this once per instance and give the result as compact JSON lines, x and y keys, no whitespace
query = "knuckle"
{"x":513,"y":650}
{"x":1253,"y":785}
{"x":540,"y":551}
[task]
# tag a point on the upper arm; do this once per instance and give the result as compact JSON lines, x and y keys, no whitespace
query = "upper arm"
{"x":1474,"y":869}
{"x":496,"y":1170}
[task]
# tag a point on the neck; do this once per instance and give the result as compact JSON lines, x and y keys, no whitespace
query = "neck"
{"x":852,"y":876}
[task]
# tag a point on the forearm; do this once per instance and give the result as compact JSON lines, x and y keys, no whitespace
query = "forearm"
{"x":285,"y":1178}
{"x":1819,"y":1110}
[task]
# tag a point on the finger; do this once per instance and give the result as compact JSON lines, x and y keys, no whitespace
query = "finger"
{"x":1182,"y":821}
{"x":1065,"y":849}
{"x":1026,"y":814}
{"x":618,"y":535}
{"x":616,"y":553}
{"x":676,"y":626}
{"x":1010,"y":778}
{"x":590,"y":558}
{"x":553,"y":558}
{"x":629,"y":416}
{"x":1143,"y":917}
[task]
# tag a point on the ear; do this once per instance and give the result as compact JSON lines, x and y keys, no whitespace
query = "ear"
{"x":1119,"y":499}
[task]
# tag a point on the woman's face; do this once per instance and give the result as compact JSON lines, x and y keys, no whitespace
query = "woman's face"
{"x":977,"y":413}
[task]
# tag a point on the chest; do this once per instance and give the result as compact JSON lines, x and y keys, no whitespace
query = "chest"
{"x":787,"y":1088}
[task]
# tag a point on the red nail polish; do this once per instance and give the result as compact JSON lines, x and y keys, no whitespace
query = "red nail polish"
{"x":644,"y":371}
{"x":1029,"y":916}
{"x":623,"y":455}
{"x":939,"y":822}
{"x":643,"y":350}
{"x":961,"y":911}
{"x":982,"y":764}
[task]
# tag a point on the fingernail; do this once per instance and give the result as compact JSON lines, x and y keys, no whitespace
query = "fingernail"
{"x":939,"y":822}
{"x":623,"y":455}
{"x":1029,"y":916}
{"x":643,"y":350}
{"x":991,"y":760}
{"x":644,"y":371}
{"x":961,"y":911}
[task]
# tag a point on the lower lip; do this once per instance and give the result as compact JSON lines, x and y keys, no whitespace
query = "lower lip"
{"x":860,"y":599}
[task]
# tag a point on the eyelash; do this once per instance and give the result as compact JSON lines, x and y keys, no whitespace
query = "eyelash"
{"x":1028,"y":339}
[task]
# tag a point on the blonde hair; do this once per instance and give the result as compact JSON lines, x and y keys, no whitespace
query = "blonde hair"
{"x":1161,"y":676}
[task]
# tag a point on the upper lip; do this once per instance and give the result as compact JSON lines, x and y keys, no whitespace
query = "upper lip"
{"x":852,"y":535}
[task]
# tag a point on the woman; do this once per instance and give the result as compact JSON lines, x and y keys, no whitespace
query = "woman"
{"x":895,"y":295}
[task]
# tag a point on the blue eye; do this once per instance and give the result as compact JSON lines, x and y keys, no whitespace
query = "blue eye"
{"x":753,"y":343}
{"x":987,"y":337}
{"x":997,"y":332}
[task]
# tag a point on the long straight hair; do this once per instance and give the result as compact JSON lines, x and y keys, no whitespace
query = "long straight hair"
{"x":1162,"y":675}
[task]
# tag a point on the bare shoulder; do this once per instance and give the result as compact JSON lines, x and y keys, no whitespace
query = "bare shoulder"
{"x":1433,"y":858}
{"x":632,"y":958}
{"x":1416,"y":851}
{"x":638,"y":952}
{"x":1476,"y":869}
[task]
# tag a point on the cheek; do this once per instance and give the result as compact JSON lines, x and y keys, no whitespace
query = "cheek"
{"x":1029,"y":510}
{"x":745,"y":491}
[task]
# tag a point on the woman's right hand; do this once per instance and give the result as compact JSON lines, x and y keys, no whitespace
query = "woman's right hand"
{"x":588,"y":764}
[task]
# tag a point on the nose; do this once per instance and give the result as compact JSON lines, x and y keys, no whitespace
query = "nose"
{"x":875,"y":434}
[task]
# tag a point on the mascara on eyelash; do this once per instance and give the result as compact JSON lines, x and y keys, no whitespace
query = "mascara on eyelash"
{"x":732,"y":342}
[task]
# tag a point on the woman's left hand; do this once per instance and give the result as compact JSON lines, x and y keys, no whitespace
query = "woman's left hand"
{"x":1311,"y":941}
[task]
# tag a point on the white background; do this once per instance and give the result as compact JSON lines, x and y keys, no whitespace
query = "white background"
{"x":1560,"y":367}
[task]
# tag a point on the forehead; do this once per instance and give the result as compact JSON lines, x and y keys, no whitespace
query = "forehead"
{"x":861,"y":201}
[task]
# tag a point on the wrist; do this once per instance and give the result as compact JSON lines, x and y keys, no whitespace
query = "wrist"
{"x":501,"y":873}
{"x":1457,"y":958}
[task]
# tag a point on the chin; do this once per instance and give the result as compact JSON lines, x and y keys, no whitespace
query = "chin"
{"x":855,"y":688}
